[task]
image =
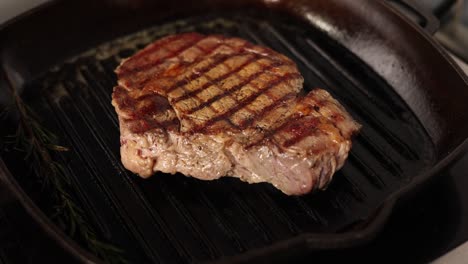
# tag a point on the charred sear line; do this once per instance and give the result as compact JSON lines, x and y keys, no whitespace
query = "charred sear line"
{"x":235,"y":88}
{"x":247,"y":100}
{"x":260,"y":114}
{"x":272,"y":131}
{"x":197,"y":60}
{"x":170,"y":54}
{"x":216,"y":81}
{"x":218,"y":59}
{"x":300,"y":129}
{"x":157,"y":45}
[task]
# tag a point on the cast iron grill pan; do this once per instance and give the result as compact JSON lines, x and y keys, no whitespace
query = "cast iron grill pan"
{"x":173,"y":218}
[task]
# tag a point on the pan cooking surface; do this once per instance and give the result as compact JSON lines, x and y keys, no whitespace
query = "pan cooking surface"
{"x":178,"y":219}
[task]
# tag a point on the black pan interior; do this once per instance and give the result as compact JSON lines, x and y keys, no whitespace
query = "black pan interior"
{"x":175,"y":218}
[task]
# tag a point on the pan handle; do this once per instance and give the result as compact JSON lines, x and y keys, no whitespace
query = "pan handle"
{"x":430,"y":23}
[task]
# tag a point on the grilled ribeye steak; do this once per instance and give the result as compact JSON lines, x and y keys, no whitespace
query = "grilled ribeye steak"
{"x":213,"y":106}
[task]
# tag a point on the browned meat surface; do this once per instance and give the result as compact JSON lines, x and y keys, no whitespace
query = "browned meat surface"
{"x":212,"y":106}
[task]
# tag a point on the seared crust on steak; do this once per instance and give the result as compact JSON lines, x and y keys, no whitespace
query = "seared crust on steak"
{"x":212,"y":106}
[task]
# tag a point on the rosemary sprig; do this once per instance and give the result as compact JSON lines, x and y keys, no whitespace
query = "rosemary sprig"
{"x":37,"y":142}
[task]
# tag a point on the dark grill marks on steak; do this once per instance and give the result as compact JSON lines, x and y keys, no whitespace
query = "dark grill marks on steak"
{"x":170,"y":54}
{"x":245,"y":49}
{"x":249,"y":121}
{"x":128,"y":70}
{"x":243,"y":103}
{"x":217,"y":61}
{"x":211,"y":82}
{"x":210,"y":106}
{"x":207,"y":51}
{"x":229,"y":92}
{"x":300,"y":130}
{"x":221,"y":60}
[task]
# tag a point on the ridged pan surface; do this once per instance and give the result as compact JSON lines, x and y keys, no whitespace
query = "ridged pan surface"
{"x":173,"y":218}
